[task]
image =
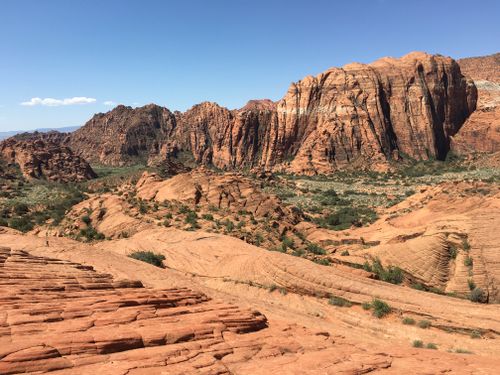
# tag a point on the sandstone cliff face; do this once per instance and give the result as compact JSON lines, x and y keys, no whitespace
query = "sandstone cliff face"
{"x":43,"y":155}
{"x":124,"y":134}
{"x":481,"y":132}
{"x":360,"y":116}
{"x":368,"y":114}
{"x":224,"y":138}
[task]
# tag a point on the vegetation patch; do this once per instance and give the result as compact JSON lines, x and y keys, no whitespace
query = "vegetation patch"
{"x":149,"y":257}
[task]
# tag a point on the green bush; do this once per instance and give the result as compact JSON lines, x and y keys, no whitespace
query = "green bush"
{"x":344,"y":253}
{"x":468,"y":261}
{"x":424,"y":324}
{"x":418,"y":344}
{"x":86,"y":219}
{"x":345,"y":217}
{"x":366,"y":305}
{"x":315,"y":249}
{"x":465,"y":245}
{"x":477,"y":295}
{"x":287,"y":243}
{"x":90,"y":234}
{"x":393,"y":275}
{"x":453,"y":251}
{"x":431,"y":345}
{"x":149,"y":257}
{"x":209,"y":217}
{"x":380,"y":308}
{"x":408,"y":321}
{"x":22,"y":223}
{"x":229,"y":225}
{"x":472,"y":284}
{"x":339,"y":301}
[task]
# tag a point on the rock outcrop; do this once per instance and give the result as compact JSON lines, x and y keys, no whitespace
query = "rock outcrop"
{"x":44,"y":156}
{"x":58,"y":315}
{"x":361,"y":116}
{"x":124,"y":135}
{"x":481,"y":132}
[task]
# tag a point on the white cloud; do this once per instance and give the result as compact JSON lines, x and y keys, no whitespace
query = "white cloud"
{"x":110,"y":103}
{"x":51,"y":102}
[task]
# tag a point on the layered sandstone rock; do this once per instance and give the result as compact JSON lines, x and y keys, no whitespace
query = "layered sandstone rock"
{"x":44,"y":155}
{"x":59,"y":315}
{"x":481,"y":132}
{"x":356,"y":116}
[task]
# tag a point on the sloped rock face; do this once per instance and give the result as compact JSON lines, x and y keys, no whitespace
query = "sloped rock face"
{"x":124,"y":134}
{"x":44,"y":155}
{"x":58,"y":315}
{"x":481,"y":132}
{"x":360,"y":116}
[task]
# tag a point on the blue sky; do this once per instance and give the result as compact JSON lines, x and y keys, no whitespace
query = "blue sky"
{"x":179,"y":53}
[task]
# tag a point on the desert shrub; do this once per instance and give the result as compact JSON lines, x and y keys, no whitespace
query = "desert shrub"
{"x":344,"y":253}
{"x":462,"y":351}
{"x":345,"y":217}
{"x":408,"y":321}
{"x":465,"y":245}
{"x":184,"y":209}
{"x":273,"y":287}
{"x":431,"y":345}
{"x":86,"y":219}
{"x":287,"y":243}
{"x":315,"y":249}
{"x":143,"y":207}
{"x":90,"y":234}
{"x":322,"y":261}
{"x":3,"y":222}
{"x":477,"y":295}
{"x":258,"y":239}
{"x":391,"y":274}
{"x":229,"y":225}
{"x":168,"y":215}
{"x":296,"y":252}
{"x":424,"y":324}
{"x":475,"y":335}
{"x":366,"y":305}
{"x":22,"y":223}
{"x":149,"y":257}
{"x":453,"y":251}
{"x":471,"y":284}
{"x":209,"y":217}
{"x":380,"y":308}
{"x":20,"y":208}
{"x":339,"y":301}
{"x":468,"y":261}
{"x":330,"y":198}
{"x":418,"y":344}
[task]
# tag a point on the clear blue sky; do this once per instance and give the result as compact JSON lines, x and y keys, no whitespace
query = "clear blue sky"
{"x":179,"y":53}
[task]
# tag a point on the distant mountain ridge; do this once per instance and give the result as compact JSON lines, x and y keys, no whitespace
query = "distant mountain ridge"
{"x":66,"y":129}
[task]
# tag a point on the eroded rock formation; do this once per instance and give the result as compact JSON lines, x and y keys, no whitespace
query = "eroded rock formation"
{"x":356,"y":116}
{"x":124,"y":134}
{"x":481,"y":132}
{"x":44,"y":155}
